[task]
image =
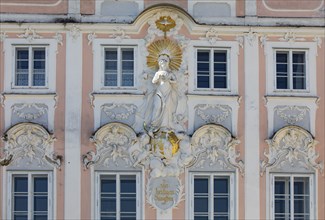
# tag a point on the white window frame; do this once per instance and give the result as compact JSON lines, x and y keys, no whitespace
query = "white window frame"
{"x":310,"y":49}
{"x":10,"y":46}
{"x":232,"y":67}
{"x":99,"y":46}
{"x":312,"y":191}
{"x":119,"y":66}
{"x":139,"y":200}
{"x":211,"y":175}
{"x":30,"y":175}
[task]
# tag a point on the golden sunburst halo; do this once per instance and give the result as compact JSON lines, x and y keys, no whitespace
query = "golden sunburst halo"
{"x":166,"y":47}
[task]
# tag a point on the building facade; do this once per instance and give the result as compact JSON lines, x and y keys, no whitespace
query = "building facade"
{"x":148,"y":109}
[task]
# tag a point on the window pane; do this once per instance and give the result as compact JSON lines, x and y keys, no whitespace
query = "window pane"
{"x":127,"y":66}
{"x":22,"y":53}
{"x":221,"y":204}
{"x":40,"y":217}
{"x":300,"y":68}
{"x":301,"y":197}
{"x":220,"y":82}
{"x":39,"y":78}
{"x":108,"y":185}
{"x":201,"y":217}
{"x":127,"y":80}
{"x":111,"y":54}
{"x":218,"y":217}
{"x":281,"y":57}
{"x":22,"y":79}
{"x":40,"y":184}
{"x":20,"y":203}
{"x":201,"y":185}
{"x":128,"y":204}
{"x":40,"y":203}
{"x":220,"y":56}
{"x":220,"y":67}
{"x":203,"y":67}
{"x":283,"y":68}
{"x":20,"y":217}
{"x":203,"y":82}
{"x":128,"y":184}
{"x":22,"y":65}
{"x":20,"y":184}
{"x":298,"y":57}
{"x":299,"y":83}
{"x":282,"y":83}
{"x":127,"y":54}
{"x":221,"y":185}
{"x":111,"y":66}
{"x":110,"y":80}
{"x":201,"y":204}
{"x":282,"y":197}
{"x":203,"y":56}
{"x":39,"y":53}
{"x":108,"y":204}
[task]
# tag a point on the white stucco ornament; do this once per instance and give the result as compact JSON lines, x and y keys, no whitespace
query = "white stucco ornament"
{"x":292,"y":147}
{"x":29,"y":144}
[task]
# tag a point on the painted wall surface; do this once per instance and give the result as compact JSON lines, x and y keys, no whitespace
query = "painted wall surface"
{"x":80,"y":97}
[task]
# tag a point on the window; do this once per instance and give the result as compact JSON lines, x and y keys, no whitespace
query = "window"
{"x":211,"y":197}
{"x":292,"y":197}
{"x":212,"y":69}
{"x":290,"y":69}
{"x":30,"y":66}
{"x":119,"y":196}
{"x":30,"y":196}
{"x":119,"y":67}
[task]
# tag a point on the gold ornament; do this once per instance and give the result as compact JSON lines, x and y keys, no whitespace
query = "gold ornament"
{"x":164,"y":47}
{"x":165,"y":23}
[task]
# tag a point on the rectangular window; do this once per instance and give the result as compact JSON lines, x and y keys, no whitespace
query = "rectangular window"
{"x":118,"y":196}
{"x":211,"y":197}
{"x":212,"y":69}
{"x":119,"y":67}
{"x":30,"y":196}
{"x":30,"y":66}
{"x":290,"y":70}
{"x":292,"y":198}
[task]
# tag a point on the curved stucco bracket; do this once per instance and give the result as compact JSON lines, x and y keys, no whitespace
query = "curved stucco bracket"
{"x":112,"y":142}
{"x":291,"y":147}
{"x":213,"y":144}
{"x":29,"y":143}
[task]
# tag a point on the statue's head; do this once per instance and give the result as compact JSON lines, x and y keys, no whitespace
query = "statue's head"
{"x":163,"y":62}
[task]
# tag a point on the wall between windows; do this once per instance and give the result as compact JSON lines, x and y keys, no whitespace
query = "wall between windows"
{"x":83,"y":36}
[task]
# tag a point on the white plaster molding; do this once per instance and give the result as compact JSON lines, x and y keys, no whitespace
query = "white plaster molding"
{"x":263,"y":40}
{"x":30,"y":35}
{"x":31,"y":141}
{"x":119,"y":34}
{"x":74,"y":31}
{"x":291,"y":37}
{"x":213,"y":118}
{"x":271,"y":102}
{"x":91,"y":37}
{"x":240,"y":40}
{"x":251,"y":37}
{"x":59,"y":38}
{"x":2,"y":100}
{"x":291,"y":145}
{"x":212,"y":36}
{"x":3,"y":36}
{"x":291,"y":118}
{"x":129,"y":108}
{"x":319,"y":41}
{"x":32,"y":4}
{"x":216,"y":144}
{"x":112,"y":142}
{"x":41,"y":110}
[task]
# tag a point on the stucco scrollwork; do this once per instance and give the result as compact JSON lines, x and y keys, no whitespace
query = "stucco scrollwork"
{"x":119,"y":34}
{"x":291,"y":37}
{"x":19,"y":110}
{"x":112,"y":142}
{"x":224,"y":113}
{"x":214,"y":143}
{"x":291,"y":114}
{"x":31,"y":142}
{"x":292,"y":146}
{"x":3,"y":36}
{"x":212,"y":36}
{"x":130,"y":109}
{"x":30,"y":35}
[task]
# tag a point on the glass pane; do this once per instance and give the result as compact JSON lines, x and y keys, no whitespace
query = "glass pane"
{"x":281,"y":57}
{"x":220,"y":56}
{"x":203,"y":67}
{"x":220,"y":82}
{"x":201,"y":185}
{"x":298,"y":68}
{"x":127,"y":54}
{"x":127,"y":80}
{"x":110,"y":80}
{"x":40,"y":184}
{"x":203,"y":82}
{"x":220,"y":67}
{"x":20,"y":203}
{"x":221,"y":185}
{"x":221,"y":205}
{"x":127,"y":65}
{"x":111,"y":65}
{"x":128,"y":184}
{"x":282,"y":197}
{"x":39,"y":65}
{"x":107,"y":218}
{"x":281,"y":68}
{"x":221,"y":217}
{"x":201,"y":204}
{"x":200,"y":217}
{"x":20,"y":184}
{"x":128,"y":205}
{"x":40,"y":203}
{"x":111,"y":54}
{"x":22,"y":65}
{"x":298,"y":57}
{"x":108,"y":204}
{"x":203,"y":55}
{"x":22,"y":53}
{"x":21,"y":79}
{"x":39,"y":53}
{"x":123,"y":217}
{"x":39,"y":79}
{"x":40,"y":217}
{"x":282,"y":83}
{"x":108,"y":185}
{"x":299,"y":83}
{"x":20,"y":217}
